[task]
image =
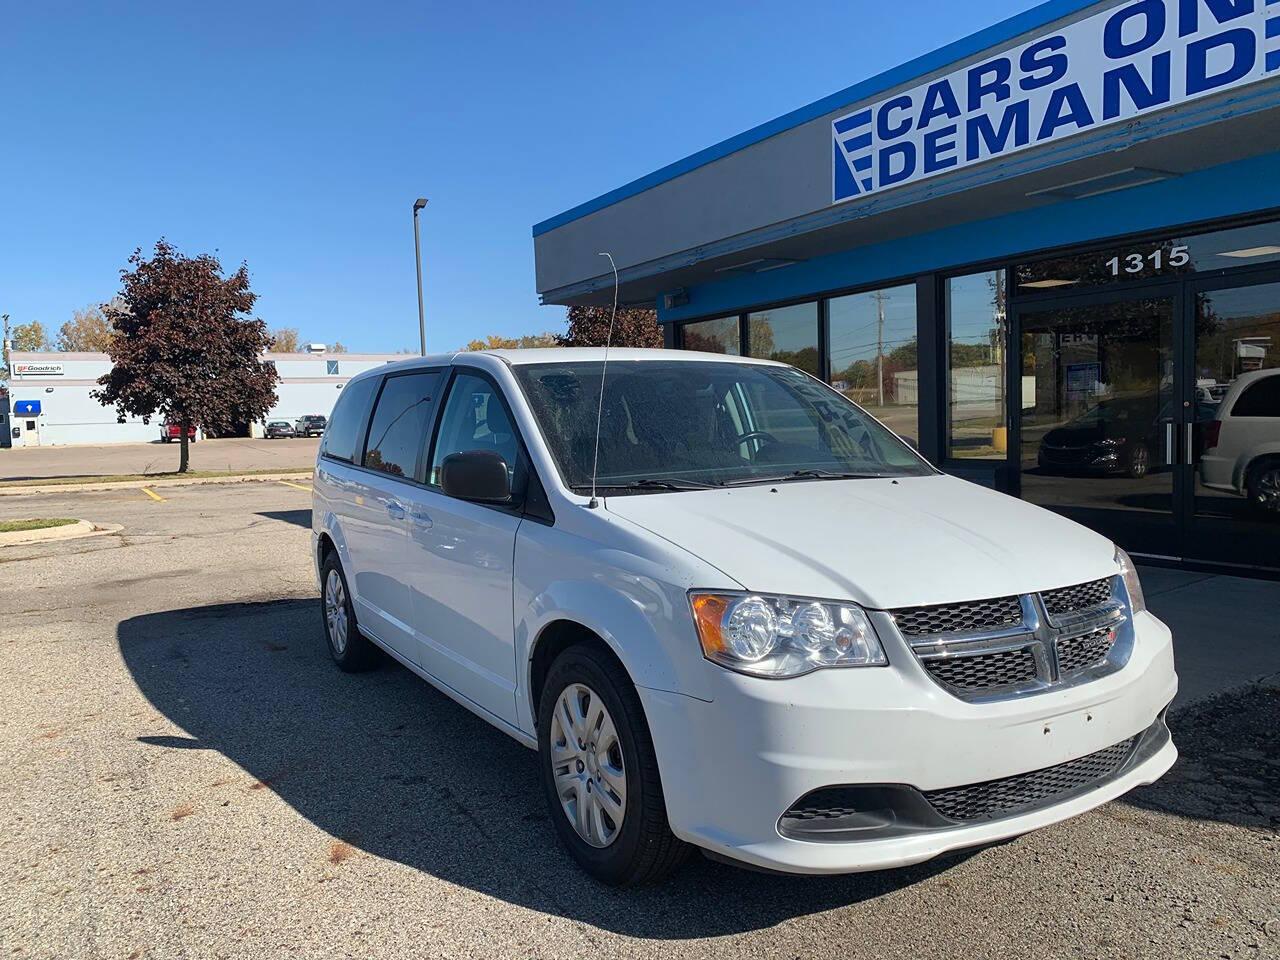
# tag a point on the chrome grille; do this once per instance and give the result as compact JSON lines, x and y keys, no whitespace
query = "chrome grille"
{"x":1016,"y":645}
{"x":985,"y":670}
{"x":996,"y":798}
{"x":1083,"y":596}
{"x":958,"y":617}
{"x":1086,"y":650}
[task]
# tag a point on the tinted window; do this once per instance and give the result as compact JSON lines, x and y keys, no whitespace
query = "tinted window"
{"x":400,"y":421}
{"x":474,"y":419}
{"x":705,"y":422}
{"x":350,"y":414}
{"x":1262,"y":399}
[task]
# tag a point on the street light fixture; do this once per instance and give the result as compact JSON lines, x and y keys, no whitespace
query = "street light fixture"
{"x":417,"y":251}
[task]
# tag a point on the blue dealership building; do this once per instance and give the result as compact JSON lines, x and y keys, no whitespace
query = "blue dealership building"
{"x":1047,"y":254}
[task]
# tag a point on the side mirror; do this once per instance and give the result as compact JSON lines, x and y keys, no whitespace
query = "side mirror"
{"x":477,"y":475}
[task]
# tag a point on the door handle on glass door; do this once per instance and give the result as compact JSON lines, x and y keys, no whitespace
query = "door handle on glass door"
{"x":395,"y":510}
{"x":1168,"y":444}
{"x":1189,"y":453}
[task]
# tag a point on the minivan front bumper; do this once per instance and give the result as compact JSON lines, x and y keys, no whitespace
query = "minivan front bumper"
{"x":733,"y":767}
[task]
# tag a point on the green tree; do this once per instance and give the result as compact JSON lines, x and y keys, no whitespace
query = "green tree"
{"x":31,"y":337}
{"x":284,"y":340}
{"x":496,"y":341}
{"x":184,"y":346}
{"x":86,"y":331}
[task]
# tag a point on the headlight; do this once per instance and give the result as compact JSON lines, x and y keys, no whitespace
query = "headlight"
{"x":770,"y":636}
{"x":1137,"y":602}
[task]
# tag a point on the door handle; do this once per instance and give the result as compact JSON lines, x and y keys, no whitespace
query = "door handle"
{"x":395,"y":510}
{"x":420,"y":518}
{"x":1190,"y":450}
{"x":1168,"y":444}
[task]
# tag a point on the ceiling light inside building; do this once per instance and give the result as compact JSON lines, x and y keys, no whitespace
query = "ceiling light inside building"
{"x":1046,"y":284}
{"x":1268,"y":251}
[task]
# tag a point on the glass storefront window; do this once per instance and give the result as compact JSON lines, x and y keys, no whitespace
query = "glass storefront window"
{"x":712,"y":336}
{"x":786,"y":334}
{"x":976,"y":331}
{"x":872,"y":342}
{"x":1149,"y":259}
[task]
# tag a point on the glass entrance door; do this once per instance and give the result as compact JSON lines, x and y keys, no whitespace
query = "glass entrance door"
{"x":1099,"y":416}
{"x":1233,"y":447}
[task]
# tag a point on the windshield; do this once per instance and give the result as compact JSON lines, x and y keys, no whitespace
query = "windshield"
{"x":683,"y":423}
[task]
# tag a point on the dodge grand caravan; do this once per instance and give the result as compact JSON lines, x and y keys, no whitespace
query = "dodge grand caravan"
{"x":747,"y":618}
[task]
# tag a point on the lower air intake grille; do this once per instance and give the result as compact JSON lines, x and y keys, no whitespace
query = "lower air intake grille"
{"x":997,"y":798}
{"x":984,"y":670}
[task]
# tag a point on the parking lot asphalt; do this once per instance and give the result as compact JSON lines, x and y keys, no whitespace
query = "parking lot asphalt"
{"x":85,"y":460}
{"x":183,"y":773}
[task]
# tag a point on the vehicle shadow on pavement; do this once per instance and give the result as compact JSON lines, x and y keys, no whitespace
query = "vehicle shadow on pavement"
{"x":386,"y":763}
{"x":299,"y":518}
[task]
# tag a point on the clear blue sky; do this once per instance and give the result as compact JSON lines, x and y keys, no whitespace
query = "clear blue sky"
{"x":296,"y":137}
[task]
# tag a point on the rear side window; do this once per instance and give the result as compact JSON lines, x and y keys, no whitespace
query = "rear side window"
{"x":1262,"y":399}
{"x":401,"y":418}
{"x":350,"y":414}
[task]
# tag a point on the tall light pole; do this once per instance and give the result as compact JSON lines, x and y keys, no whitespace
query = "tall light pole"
{"x":417,"y":251}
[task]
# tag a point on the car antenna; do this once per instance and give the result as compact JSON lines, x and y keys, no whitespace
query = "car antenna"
{"x":595,"y":461}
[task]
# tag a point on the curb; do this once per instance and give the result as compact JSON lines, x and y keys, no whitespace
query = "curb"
{"x":68,"y":531}
{"x":13,"y":491}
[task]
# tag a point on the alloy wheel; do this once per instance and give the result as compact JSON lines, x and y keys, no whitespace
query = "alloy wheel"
{"x":335,"y":611}
{"x":587,"y":765}
{"x":1138,"y":463}
{"x":1268,"y":489}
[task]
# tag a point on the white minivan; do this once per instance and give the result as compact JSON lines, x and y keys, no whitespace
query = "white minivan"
{"x":747,"y":618}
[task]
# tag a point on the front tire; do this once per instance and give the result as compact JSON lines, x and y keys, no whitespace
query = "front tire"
{"x":348,"y":647}
{"x":599,"y":771}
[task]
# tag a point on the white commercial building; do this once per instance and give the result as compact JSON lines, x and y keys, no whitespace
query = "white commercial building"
{"x":50,"y":402}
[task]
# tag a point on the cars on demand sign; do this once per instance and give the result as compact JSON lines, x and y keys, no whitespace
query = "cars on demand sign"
{"x":1124,"y":62}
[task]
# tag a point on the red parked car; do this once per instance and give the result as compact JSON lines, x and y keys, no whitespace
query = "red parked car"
{"x":173,"y":431}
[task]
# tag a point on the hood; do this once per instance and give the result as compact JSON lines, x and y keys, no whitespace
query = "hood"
{"x":882,"y":543}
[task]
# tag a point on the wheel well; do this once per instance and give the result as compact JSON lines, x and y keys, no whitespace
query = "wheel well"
{"x":325,"y":547}
{"x":554,"y":639}
{"x":1258,"y":463}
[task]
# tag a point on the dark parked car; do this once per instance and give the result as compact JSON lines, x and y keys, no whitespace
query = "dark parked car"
{"x":309,"y":426}
{"x":280,"y":428}
{"x":1122,"y":436}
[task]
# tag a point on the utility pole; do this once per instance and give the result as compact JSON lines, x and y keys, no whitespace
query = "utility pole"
{"x":417,"y":252}
{"x":879,"y":298}
{"x":6,"y":345}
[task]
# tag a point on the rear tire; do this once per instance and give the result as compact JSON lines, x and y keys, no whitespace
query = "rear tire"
{"x":641,"y":847}
{"x":350,"y":650}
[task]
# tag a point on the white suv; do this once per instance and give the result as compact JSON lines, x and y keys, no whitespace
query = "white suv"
{"x":1242,"y":445}
{"x":751,"y":620}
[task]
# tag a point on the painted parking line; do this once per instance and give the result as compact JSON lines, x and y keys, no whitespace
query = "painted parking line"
{"x":296,"y":486}
{"x":152,"y":494}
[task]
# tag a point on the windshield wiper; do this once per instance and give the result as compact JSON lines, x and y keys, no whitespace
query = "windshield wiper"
{"x":803,"y":475}
{"x":651,"y":483}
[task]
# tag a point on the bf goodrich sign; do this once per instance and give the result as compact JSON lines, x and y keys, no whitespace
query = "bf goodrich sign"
{"x":1122,"y":63}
